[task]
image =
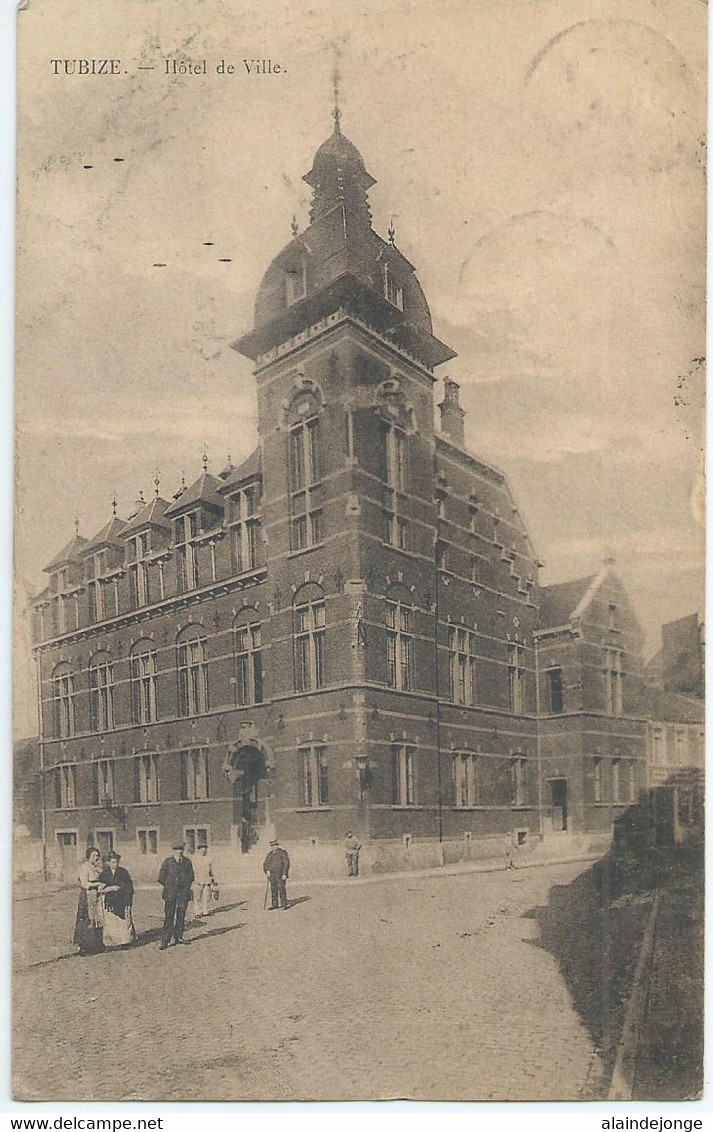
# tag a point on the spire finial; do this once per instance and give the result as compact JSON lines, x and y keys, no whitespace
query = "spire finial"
{"x":230,"y":461}
{"x":336,"y":79}
{"x":157,"y":482}
{"x":205,"y":458}
{"x":392,"y":233}
{"x":294,"y":226}
{"x":113,"y":504}
{"x":141,"y":496}
{"x":76,"y":523}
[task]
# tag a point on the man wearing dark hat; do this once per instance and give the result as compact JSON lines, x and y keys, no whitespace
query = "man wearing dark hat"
{"x":176,"y":876}
{"x":277,"y":867}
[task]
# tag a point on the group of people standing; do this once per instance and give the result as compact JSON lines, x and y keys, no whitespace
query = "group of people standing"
{"x":106,"y":893}
{"x":106,"y":897}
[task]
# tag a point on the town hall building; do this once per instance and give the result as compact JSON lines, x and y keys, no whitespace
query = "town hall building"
{"x":345,"y":631}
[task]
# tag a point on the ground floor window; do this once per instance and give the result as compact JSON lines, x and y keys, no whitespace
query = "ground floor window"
{"x":403,"y":791}
{"x":148,"y":842}
{"x":146,"y":788}
{"x":104,"y":841}
{"x":194,"y":775}
{"x":314,"y":775}
{"x":66,"y":787}
{"x":464,"y":779}
{"x":519,"y":780}
{"x":195,"y":836}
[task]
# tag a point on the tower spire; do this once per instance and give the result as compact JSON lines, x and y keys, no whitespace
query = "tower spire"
{"x":336,"y":80}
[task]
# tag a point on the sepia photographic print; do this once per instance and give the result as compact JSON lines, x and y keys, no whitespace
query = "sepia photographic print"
{"x":359,"y":551}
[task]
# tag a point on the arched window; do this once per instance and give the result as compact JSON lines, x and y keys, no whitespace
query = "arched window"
{"x":399,"y":639}
{"x":101,"y":693}
{"x":309,"y":627}
{"x":192,"y":672}
{"x":144,"y":682}
{"x":248,"y":657}
{"x":63,"y":701}
{"x":304,"y":468}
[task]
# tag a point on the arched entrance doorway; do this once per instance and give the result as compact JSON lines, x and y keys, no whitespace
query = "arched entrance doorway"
{"x":247,"y":768}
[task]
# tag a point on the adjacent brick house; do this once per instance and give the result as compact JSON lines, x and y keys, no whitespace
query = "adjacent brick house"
{"x":339,"y":632}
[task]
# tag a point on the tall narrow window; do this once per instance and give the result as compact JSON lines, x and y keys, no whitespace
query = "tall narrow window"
{"x":67,"y":787}
{"x":186,"y":529}
{"x":555,"y":681}
{"x":309,"y":628}
{"x":463,"y":672}
{"x":63,"y":701}
{"x":464,"y":779}
{"x":248,"y":658}
{"x":519,"y":780}
{"x":680,"y":746}
{"x":597,"y":779}
{"x":616,"y":780}
{"x":403,"y":791}
{"x":192,"y":674}
{"x":305,"y":473}
{"x":393,"y":290}
{"x":64,"y":601}
{"x":146,"y":780}
{"x":399,"y":645}
{"x":296,"y":284}
{"x":104,"y":782}
{"x":144,"y":682}
{"x":658,"y":748}
{"x":101,"y":693}
{"x":195,"y":784}
{"x":314,"y":776}
{"x":516,"y":675}
{"x":139,"y":576}
{"x":613,"y":681}
{"x":244,"y":524}
{"x":96,"y":569}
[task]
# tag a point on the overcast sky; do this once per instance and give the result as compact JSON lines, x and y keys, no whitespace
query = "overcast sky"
{"x":543,"y":164}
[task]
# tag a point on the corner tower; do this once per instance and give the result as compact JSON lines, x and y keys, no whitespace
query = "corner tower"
{"x":344,"y":355}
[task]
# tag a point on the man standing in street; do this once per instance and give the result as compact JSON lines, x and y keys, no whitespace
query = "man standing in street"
{"x":176,"y":877}
{"x":204,"y":878}
{"x":351,"y":852}
{"x":277,"y":867}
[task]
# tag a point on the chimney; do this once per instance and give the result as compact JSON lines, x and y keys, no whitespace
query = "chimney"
{"x":452,"y":416}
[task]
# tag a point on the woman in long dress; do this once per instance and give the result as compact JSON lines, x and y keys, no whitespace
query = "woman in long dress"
{"x":90,"y":922}
{"x":118,"y":898}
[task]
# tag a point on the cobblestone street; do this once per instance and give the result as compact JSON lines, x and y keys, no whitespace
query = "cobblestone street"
{"x":428,"y":987}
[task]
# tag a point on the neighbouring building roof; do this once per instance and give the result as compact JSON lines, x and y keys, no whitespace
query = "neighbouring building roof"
{"x":667,"y":707}
{"x":559,"y":601}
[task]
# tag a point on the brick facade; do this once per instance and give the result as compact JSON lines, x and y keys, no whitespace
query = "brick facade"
{"x":340,"y":632}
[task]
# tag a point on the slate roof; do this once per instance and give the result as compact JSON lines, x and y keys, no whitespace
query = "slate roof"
{"x":69,"y":553}
{"x":249,"y":469}
{"x":558,"y":602}
{"x":109,"y":535}
{"x":204,"y":490}
{"x":669,"y":707}
{"x":150,"y":515}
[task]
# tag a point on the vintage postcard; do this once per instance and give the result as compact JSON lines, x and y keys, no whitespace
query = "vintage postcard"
{"x":359,"y":550}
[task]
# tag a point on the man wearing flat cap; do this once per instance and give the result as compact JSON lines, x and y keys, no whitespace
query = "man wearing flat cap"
{"x":277,"y":868}
{"x":176,"y":877}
